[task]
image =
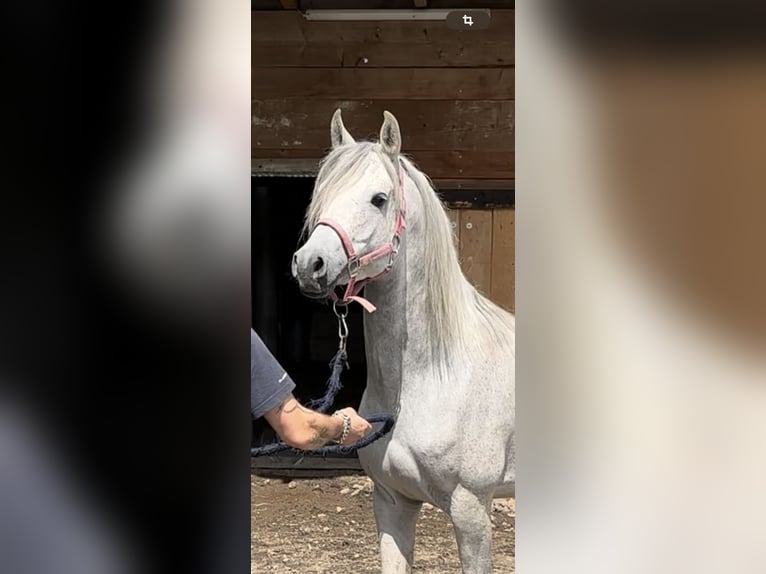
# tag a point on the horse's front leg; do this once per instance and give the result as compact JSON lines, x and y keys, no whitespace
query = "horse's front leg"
{"x":470,"y":515}
{"x":395,"y":516}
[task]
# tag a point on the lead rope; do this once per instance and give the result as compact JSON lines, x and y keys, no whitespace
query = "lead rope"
{"x":339,"y":360}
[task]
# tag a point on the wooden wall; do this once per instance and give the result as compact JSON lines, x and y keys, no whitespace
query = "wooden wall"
{"x":486,"y":246}
{"x":452,"y":91}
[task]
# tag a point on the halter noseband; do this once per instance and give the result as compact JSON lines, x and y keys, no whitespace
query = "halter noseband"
{"x":356,"y":263}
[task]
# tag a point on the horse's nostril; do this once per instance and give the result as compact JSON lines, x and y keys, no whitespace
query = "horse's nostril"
{"x":318,"y":264}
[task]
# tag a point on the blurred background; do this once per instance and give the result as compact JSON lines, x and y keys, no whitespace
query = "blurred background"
{"x":641,"y":273}
{"x":124,"y":289}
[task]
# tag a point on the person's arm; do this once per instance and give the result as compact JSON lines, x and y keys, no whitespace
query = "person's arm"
{"x":305,"y":429}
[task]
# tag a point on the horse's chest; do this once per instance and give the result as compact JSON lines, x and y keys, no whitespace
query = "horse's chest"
{"x":416,"y":468}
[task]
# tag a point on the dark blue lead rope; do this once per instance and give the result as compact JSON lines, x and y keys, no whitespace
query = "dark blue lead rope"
{"x":333,"y":383}
{"x":321,"y":405}
{"x":274,"y":448}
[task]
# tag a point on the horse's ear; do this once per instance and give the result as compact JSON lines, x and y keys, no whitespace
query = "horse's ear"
{"x":338,"y":133}
{"x":390,"y":137}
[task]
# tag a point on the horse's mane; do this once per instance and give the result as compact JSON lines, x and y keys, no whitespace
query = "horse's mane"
{"x":460,"y":319}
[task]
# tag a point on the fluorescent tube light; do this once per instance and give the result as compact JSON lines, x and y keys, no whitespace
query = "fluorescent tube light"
{"x":380,"y":15}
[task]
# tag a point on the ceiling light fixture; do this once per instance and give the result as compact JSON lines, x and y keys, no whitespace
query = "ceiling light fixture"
{"x":379,"y":15}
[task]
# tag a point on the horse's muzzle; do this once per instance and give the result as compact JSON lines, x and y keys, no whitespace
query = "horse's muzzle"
{"x":311,"y":274}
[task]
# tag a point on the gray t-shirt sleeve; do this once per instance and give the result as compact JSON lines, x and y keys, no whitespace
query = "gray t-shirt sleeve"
{"x":269,"y":383}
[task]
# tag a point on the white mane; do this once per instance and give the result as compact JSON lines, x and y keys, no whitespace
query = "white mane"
{"x":460,"y":317}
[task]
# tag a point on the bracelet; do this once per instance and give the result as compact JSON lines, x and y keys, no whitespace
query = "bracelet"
{"x":346,"y":425}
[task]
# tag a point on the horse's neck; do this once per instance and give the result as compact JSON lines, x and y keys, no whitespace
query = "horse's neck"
{"x":396,"y":334}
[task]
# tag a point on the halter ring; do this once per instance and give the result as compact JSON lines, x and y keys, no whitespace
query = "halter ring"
{"x":338,"y":304}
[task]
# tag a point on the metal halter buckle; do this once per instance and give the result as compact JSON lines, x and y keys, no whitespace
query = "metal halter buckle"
{"x":394,"y":251}
{"x":353,"y":266}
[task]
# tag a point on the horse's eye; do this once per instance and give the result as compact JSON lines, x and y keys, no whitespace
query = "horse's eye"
{"x":378,"y":199}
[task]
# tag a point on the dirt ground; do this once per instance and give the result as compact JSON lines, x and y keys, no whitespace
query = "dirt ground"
{"x":327,"y":525}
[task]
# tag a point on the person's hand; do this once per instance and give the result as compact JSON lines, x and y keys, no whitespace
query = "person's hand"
{"x":359,"y":427}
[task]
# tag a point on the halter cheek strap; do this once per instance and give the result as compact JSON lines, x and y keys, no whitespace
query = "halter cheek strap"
{"x":356,"y":263}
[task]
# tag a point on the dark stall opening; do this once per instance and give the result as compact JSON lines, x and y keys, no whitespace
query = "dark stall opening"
{"x":300,"y":332}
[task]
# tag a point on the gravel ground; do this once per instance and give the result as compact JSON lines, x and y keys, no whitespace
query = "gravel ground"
{"x":327,"y":525}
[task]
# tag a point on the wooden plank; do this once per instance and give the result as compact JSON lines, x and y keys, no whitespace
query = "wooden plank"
{"x":432,"y":125}
{"x":454,"y":218}
{"x":436,"y":164}
{"x":278,"y":166}
{"x":383,"y":83}
{"x":290,"y":26}
{"x":298,"y":472}
{"x":478,"y":199}
{"x":474,"y":184}
{"x":304,"y":466}
{"x":295,"y":54}
{"x":488,"y":164}
{"x":281,"y":27}
{"x":476,"y":248}
{"x":503,"y":284}
{"x":460,"y":53}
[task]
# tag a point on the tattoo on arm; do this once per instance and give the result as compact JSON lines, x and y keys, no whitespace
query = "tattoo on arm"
{"x":319,"y":428}
{"x":322,"y":435}
{"x":290,"y":404}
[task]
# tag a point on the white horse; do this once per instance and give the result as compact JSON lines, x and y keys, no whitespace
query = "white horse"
{"x":439,"y":354}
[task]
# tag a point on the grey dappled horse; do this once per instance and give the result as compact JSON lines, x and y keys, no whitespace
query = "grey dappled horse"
{"x":439,"y":354}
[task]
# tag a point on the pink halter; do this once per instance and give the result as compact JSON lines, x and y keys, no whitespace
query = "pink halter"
{"x":355,"y":263}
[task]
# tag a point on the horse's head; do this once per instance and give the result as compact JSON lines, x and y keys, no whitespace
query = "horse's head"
{"x":355,"y":211}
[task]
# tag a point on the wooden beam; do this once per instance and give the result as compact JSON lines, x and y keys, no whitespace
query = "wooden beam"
{"x":284,"y":166}
{"x":476,"y":248}
{"x":468,"y":193}
{"x":290,"y":473}
{"x":475,"y":184}
{"x":454,"y":193}
{"x":383,"y":83}
{"x":426,"y":125}
{"x":503,"y":289}
{"x":461,"y":52}
{"x":304,"y":466}
{"x":289,"y":4}
{"x":446,"y":164}
{"x":484,"y":199}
